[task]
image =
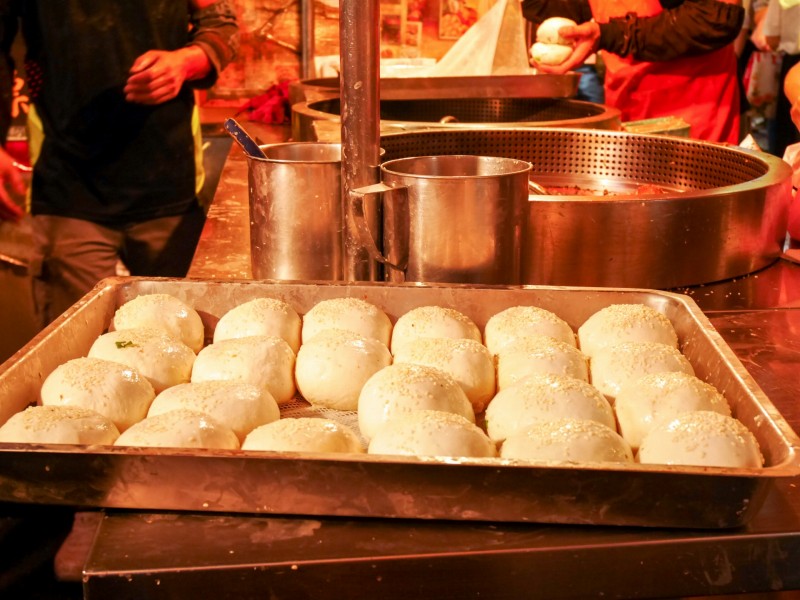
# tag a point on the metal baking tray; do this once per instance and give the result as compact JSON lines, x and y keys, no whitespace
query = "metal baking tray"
{"x":389,"y":487}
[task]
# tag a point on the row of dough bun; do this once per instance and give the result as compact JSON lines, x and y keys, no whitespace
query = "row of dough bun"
{"x":528,"y":371}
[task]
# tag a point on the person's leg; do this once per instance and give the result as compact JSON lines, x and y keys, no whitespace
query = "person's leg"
{"x":69,"y":256}
{"x":163,"y":247}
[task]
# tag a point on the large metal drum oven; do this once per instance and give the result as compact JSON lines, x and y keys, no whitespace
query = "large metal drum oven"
{"x":460,"y":113}
{"x":717,"y":211}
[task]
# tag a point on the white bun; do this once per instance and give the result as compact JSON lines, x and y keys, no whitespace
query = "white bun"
{"x":518,"y":322}
{"x":619,"y":323}
{"x":663,"y":395}
{"x":539,"y":355}
{"x":545,"y":398}
{"x":58,"y":425}
{"x":568,"y":440}
{"x":619,"y":366}
{"x":431,"y":433}
{"x":351,"y":314}
{"x":165,"y":312}
{"x":238,"y":405}
{"x":432,"y":322}
{"x":112,"y":389}
{"x":334,"y":365}
{"x":264,"y":361}
{"x":180,"y":428}
{"x":466,"y":361}
{"x":548,"y":31}
{"x":549,"y":54}
{"x":401,"y":388}
{"x":262,"y":316}
{"x":701,"y":438}
{"x":307,"y":434}
{"x":161,"y":358}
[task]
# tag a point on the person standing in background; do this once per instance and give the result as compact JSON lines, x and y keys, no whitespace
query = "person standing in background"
{"x":114,"y":135}
{"x":662,"y":58}
{"x":781,"y":29}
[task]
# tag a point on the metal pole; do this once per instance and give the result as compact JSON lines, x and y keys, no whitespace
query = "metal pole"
{"x":359,"y":36}
{"x":307,"y":39}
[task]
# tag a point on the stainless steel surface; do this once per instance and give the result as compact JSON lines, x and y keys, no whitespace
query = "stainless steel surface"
{"x":462,"y":113}
{"x":307,"y":38}
{"x":449,"y":218}
{"x":359,"y":37}
{"x":729,"y":220}
{"x":398,"y":487}
{"x":296,"y":212}
{"x":539,"y":85}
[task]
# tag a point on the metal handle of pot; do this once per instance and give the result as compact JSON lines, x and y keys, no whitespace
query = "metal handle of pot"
{"x":536,"y":188}
{"x":358,"y":215}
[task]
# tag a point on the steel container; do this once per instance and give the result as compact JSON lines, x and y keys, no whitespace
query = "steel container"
{"x":448,"y":218}
{"x":314,"y":120}
{"x":296,"y":216}
{"x":363,"y":485}
{"x":722,"y":211}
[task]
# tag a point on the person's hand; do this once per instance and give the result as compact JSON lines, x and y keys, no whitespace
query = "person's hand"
{"x":10,"y":178}
{"x":586,"y":38}
{"x":158,"y":75}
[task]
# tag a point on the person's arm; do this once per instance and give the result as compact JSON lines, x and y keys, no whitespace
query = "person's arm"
{"x":693,"y":28}
{"x":158,"y":75}
{"x":690,"y":29}
{"x":791,"y":87}
{"x":10,"y":177}
{"x":771,"y":26}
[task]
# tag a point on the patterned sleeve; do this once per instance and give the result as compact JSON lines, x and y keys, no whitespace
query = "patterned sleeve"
{"x":216,"y":31}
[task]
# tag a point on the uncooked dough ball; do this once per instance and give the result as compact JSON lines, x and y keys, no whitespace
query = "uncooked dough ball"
{"x":431,"y":433}
{"x":568,"y":440}
{"x":305,"y":434}
{"x":235,"y":404}
{"x":619,"y":366}
{"x":262,"y":316}
{"x":550,"y":47}
{"x":545,"y":398}
{"x":701,"y":438}
{"x":401,"y":388}
{"x":350,"y":314}
{"x":59,"y":425}
{"x":165,"y":312}
{"x":619,"y":323}
{"x":519,"y":322}
{"x":539,"y":355}
{"x":265,"y":361}
{"x":548,"y":31}
{"x":334,"y":365}
{"x":180,"y":428}
{"x":663,"y":395}
{"x":466,"y":361}
{"x":158,"y":356}
{"x":432,"y":322}
{"x":549,"y":54}
{"x":112,"y":389}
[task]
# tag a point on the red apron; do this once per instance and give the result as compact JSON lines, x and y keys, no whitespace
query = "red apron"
{"x":701,"y":89}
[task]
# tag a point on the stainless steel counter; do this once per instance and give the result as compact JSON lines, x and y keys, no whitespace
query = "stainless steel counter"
{"x":168,"y":555}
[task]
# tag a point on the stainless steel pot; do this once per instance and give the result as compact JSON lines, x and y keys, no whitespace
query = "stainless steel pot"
{"x":457,"y":219}
{"x":296,"y":213}
{"x":723,"y":215}
{"x":309,"y":119}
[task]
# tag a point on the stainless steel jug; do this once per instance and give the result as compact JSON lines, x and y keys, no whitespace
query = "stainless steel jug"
{"x":296,"y":212}
{"x":450,"y":218}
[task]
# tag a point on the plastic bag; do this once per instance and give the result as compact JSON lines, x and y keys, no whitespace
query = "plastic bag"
{"x":762,"y":79}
